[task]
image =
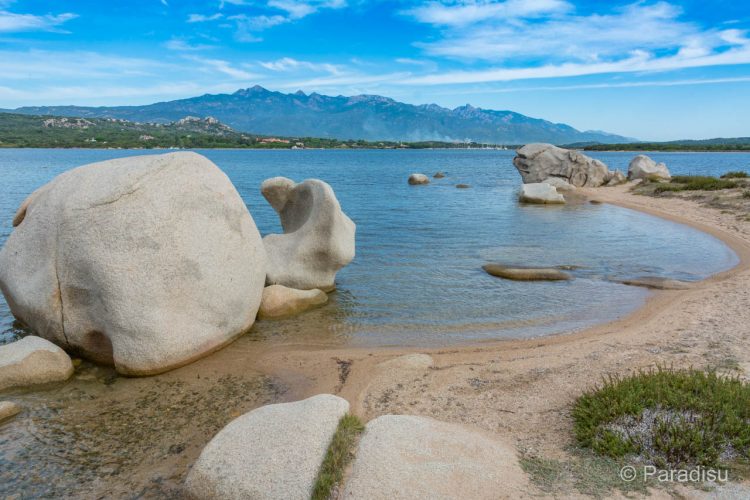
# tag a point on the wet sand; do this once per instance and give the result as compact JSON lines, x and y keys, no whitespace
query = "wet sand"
{"x":102,"y":435}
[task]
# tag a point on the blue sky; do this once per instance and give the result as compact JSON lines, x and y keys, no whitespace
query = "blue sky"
{"x":654,"y":70}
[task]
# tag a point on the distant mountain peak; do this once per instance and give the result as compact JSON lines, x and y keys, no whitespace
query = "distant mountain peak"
{"x":370,"y":117}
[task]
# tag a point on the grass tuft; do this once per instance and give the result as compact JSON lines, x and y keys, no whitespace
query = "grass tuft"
{"x":340,"y":453}
{"x":738,"y":174}
{"x":695,"y":183}
{"x":668,"y":418}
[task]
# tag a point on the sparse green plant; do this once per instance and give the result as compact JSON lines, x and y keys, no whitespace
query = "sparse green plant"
{"x":669,"y":418}
{"x":746,"y":193}
{"x":339,"y":454}
{"x":695,"y":183}
{"x":738,"y":174}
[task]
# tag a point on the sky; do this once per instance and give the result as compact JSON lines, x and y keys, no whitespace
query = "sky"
{"x":653,"y":70}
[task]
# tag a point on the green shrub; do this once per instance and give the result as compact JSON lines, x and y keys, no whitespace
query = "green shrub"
{"x":695,"y":183}
{"x":339,"y":454}
{"x":674,"y":418}
{"x":735,"y":175}
{"x":746,"y":194}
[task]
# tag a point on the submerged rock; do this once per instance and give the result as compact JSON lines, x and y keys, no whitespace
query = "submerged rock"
{"x":270,"y":453}
{"x":8,"y":409}
{"x":541,"y":193}
{"x":463,"y":186}
{"x":33,"y":360}
{"x":318,"y":237}
{"x":417,"y":179}
{"x":408,"y":457}
{"x":526,"y":273}
{"x":538,"y":162}
{"x":438,"y":175}
{"x":643,"y":167}
{"x":279,"y":301}
{"x":657,"y":283}
{"x":144,"y":262}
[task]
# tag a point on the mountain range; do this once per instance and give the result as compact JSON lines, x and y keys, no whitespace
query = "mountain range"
{"x":260,"y":111}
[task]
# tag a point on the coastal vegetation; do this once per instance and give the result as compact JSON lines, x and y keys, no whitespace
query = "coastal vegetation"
{"x":340,"y":453}
{"x":695,"y":183}
{"x":720,"y":144}
{"x":667,"y":417}
{"x":44,"y":131}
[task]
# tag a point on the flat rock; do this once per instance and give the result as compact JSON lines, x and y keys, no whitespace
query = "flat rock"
{"x":408,"y":457}
{"x":463,"y":186}
{"x":643,"y":167}
{"x":417,"y":179}
{"x":541,"y":193}
{"x":318,"y":239}
{"x":526,"y":273}
{"x":279,"y":301}
{"x":8,"y":409}
{"x":658,"y":283}
{"x":145,"y":262}
{"x":539,"y":161}
{"x":32,"y":360}
{"x":269,"y":453}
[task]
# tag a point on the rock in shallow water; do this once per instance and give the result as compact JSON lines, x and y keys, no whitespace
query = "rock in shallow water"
{"x":409,"y":457}
{"x":279,"y":301}
{"x":538,"y":162}
{"x":145,"y":262}
{"x":33,"y":360}
{"x":657,"y":283}
{"x":8,"y":409}
{"x":272,"y":452}
{"x":526,"y":273}
{"x":540,"y":193}
{"x":417,"y":179}
{"x":318,"y":237}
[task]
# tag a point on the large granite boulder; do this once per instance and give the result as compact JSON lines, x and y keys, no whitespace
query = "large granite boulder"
{"x":407,"y":457}
{"x":270,"y":453}
{"x":541,"y":193}
{"x":33,"y":360}
{"x":145,"y":262}
{"x":318,"y":237}
{"x":538,"y":162}
{"x":279,"y":301}
{"x":643,"y":167}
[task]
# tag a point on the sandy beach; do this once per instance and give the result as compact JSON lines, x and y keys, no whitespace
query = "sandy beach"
{"x":523,"y":390}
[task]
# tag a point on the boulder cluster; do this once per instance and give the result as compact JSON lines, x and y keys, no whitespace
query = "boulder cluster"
{"x":150,"y":262}
{"x":547,"y":169}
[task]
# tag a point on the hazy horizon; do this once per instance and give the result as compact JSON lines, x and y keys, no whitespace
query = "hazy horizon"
{"x":654,"y":70}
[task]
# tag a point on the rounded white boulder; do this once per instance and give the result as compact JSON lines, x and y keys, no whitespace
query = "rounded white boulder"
{"x":318,"y":237}
{"x":417,"y":179}
{"x":144,"y":262}
{"x":33,"y":360}
{"x":540,"y":192}
{"x":643,"y":167}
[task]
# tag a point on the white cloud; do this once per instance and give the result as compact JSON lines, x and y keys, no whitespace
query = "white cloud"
{"x":179,"y":44}
{"x":464,"y":12}
{"x":201,"y":18}
{"x":224,"y":67}
{"x":288,"y":64}
{"x":15,"y":23}
{"x":247,"y":26}
{"x":297,"y":9}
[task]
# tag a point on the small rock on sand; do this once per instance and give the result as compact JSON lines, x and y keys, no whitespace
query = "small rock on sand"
{"x":657,"y":283}
{"x":417,"y":179}
{"x":407,"y":457}
{"x":33,"y":360}
{"x":279,"y":301}
{"x":526,"y":273}
{"x":8,"y":409}
{"x":272,"y":452}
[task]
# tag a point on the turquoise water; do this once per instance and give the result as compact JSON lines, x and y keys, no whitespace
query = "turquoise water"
{"x":417,"y":277}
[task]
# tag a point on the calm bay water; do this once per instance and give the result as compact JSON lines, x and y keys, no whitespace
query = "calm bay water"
{"x":417,"y":277}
